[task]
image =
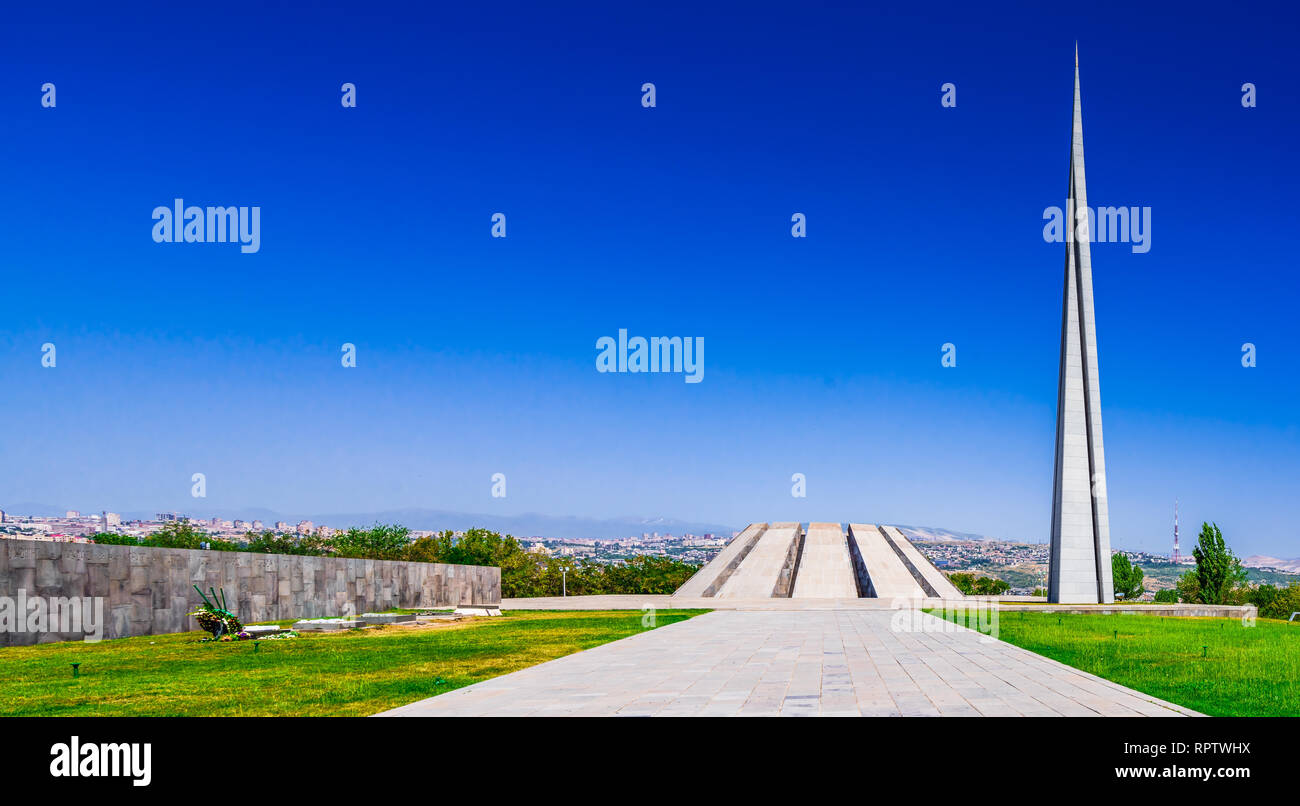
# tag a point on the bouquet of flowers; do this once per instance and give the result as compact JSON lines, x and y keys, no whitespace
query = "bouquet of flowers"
{"x":217,"y":620}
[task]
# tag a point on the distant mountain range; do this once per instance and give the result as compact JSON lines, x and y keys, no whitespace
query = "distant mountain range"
{"x":944,"y":535}
{"x":1262,"y":561}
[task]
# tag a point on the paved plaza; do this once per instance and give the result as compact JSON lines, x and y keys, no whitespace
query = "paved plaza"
{"x":803,"y":662}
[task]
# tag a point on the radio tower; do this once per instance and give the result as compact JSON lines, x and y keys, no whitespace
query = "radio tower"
{"x":1178,"y":555}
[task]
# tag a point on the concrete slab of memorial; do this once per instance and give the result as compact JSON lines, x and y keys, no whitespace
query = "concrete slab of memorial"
{"x":328,"y":625}
{"x":825,"y":567}
{"x":760,"y":571}
{"x":715,"y":573}
{"x":476,"y":610}
{"x":889,"y":577}
{"x":935,"y":578}
{"x":798,"y":662}
{"x":372,"y":619}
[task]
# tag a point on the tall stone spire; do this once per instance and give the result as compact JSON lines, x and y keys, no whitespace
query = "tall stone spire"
{"x":1079,"y":570}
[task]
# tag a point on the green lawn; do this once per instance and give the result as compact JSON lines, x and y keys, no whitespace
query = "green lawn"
{"x":1215,"y":666}
{"x":351,"y":674}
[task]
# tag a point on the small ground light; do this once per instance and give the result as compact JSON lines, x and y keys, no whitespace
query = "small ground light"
{"x":257,"y":645}
{"x":1204,"y":651}
{"x":76,"y":670}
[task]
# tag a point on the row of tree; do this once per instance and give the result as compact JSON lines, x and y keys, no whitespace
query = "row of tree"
{"x":523,"y":573}
{"x":1218,"y":578}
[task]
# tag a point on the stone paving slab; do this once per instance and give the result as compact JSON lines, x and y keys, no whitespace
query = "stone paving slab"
{"x":798,"y":663}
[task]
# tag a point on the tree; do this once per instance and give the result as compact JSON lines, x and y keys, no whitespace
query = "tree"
{"x":178,"y":535}
{"x":1166,"y":596}
{"x":963,"y":582}
{"x":973,"y":585}
{"x":520,"y":570}
{"x":110,"y":539}
{"x":1274,"y":602}
{"x":1188,"y":587}
{"x":379,"y":542}
{"x":1265,"y":597}
{"x":1218,"y":571}
{"x":1127,"y":577}
{"x":271,"y":543}
{"x":645,"y":574}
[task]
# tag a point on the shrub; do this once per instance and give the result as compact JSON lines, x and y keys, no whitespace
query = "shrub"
{"x":972,"y":585}
{"x":1274,"y":602}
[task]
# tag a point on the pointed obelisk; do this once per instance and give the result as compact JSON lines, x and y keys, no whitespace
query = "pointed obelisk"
{"x":1079,"y":569}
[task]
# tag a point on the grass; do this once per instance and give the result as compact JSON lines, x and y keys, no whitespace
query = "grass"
{"x":1216,"y":666}
{"x":354,"y":673}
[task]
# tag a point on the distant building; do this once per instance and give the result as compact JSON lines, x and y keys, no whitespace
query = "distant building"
{"x":72,"y":513}
{"x":305,"y":527}
{"x":258,"y":526}
{"x":112,"y":519}
{"x":166,"y":516}
{"x":281,"y":526}
{"x":2,"y":516}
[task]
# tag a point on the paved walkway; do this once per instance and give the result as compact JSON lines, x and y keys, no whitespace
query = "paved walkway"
{"x":797,"y":662}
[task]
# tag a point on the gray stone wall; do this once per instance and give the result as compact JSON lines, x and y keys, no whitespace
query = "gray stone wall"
{"x":147,"y":591}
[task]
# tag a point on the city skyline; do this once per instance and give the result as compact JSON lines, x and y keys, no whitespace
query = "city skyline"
{"x":427,"y":522}
{"x":477,"y":356}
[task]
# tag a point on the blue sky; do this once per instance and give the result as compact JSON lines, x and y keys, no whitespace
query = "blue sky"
{"x":476,"y":355}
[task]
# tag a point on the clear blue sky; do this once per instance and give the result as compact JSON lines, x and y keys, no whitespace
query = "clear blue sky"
{"x":476,"y":355}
